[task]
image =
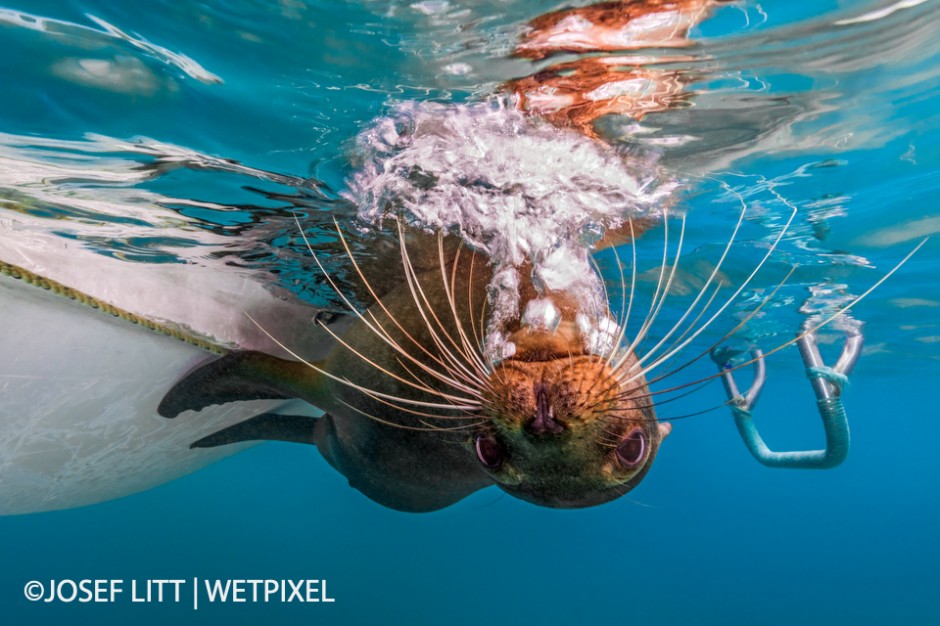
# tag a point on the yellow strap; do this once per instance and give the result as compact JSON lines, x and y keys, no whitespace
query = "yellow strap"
{"x":57,"y":288}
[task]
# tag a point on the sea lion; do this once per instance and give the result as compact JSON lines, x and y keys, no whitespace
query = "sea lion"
{"x":421,"y":409}
{"x":417,"y":419}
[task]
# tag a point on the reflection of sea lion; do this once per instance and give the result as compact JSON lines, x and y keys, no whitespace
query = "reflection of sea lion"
{"x":575,"y":94}
{"x":416,"y":420}
{"x":614,"y":26}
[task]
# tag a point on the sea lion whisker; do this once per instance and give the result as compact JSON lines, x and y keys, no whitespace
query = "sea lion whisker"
{"x":465,"y":363}
{"x":733,"y":297}
{"x":469,"y":405}
{"x":466,"y":414}
{"x":379,"y":420}
{"x":458,"y":440}
{"x":613,"y":380}
{"x":375,"y":327}
{"x":615,"y":437}
{"x":644,"y":331}
{"x":442,"y":429}
{"x":379,"y":330}
{"x":602,"y":395}
{"x":659,"y":284}
{"x":625,"y":305}
{"x":596,"y":380}
{"x":482,"y":325}
{"x":468,"y":349}
{"x":626,"y":320}
{"x":692,"y":325}
{"x":661,"y":293}
{"x":676,"y":418}
{"x":473,"y":392}
{"x":433,"y":405}
{"x":657,"y":303}
{"x":414,"y":287}
{"x":607,"y":438}
{"x":741,"y":324}
{"x":633,"y":418}
{"x":592,"y":390}
{"x":444,"y":379}
{"x":477,"y":337}
{"x":650,"y":395}
{"x":807,"y":331}
{"x":606,"y":300}
{"x":581,"y":393}
{"x":691,"y":307}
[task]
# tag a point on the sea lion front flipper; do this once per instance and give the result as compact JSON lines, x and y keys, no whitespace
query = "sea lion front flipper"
{"x":264,"y":427}
{"x":244,"y":375}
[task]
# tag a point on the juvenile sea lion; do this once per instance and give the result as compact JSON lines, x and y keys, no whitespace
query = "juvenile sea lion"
{"x":427,"y":400}
{"x":417,"y":419}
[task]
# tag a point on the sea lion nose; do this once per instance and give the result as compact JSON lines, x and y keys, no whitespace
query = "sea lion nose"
{"x":544,"y":421}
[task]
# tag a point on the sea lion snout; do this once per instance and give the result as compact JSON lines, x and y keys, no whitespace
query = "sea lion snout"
{"x":566,"y":432}
{"x":543,"y":423}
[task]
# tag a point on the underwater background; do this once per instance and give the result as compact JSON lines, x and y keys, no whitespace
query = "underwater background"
{"x":831,"y":107}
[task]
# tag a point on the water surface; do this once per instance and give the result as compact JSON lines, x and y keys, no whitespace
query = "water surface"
{"x":193,"y":132}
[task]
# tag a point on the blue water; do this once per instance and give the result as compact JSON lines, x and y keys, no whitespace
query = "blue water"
{"x":842,"y":121}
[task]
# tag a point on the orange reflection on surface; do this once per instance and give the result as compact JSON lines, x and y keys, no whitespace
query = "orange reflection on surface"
{"x":576,"y":93}
{"x":613,"y":26}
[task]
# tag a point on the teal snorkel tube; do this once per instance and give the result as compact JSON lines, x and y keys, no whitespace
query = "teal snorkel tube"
{"x":827,"y":382}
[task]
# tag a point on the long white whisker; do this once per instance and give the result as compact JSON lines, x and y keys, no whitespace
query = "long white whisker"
{"x":747,"y":281}
{"x":468,"y":405}
{"x":378,"y":301}
{"x":714,"y":273}
{"x":625,"y":316}
{"x":469,"y":385}
{"x":623,"y":307}
{"x":375,"y":327}
{"x":419,"y":385}
{"x":477,"y":337}
{"x":803,"y":334}
{"x":741,"y":324}
{"x":467,"y":347}
{"x":692,"y":324}
{"x":414,"y":287}
{"x":437,"y":416}
{"x":430,"y":428}
{"x":659,"y":285}
{"x":665,"y":293}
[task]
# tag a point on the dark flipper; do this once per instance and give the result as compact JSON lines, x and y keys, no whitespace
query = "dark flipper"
{"x":264,"y":427}
{"x":242,"y":376}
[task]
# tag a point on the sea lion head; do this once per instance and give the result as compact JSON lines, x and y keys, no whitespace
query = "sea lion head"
{"x":565,"y":430}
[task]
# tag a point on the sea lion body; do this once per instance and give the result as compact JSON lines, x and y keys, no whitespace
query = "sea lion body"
{"x":387,"y":387}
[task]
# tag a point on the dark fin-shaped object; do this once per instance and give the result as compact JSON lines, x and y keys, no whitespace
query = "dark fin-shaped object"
{"x":264,"y":427}
{"x":240,"y":376}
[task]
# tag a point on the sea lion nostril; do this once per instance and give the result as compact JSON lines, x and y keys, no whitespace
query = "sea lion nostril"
{"x":544,"y":421}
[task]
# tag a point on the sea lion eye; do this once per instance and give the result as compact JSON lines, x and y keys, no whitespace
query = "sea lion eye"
{"x":489,"y":451}
{"x":631,"y":450}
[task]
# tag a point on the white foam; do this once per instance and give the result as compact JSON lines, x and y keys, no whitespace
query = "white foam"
{"x":512,"y":186}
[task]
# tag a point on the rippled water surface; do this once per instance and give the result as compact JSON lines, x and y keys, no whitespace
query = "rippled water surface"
{"x":201,"y":134}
